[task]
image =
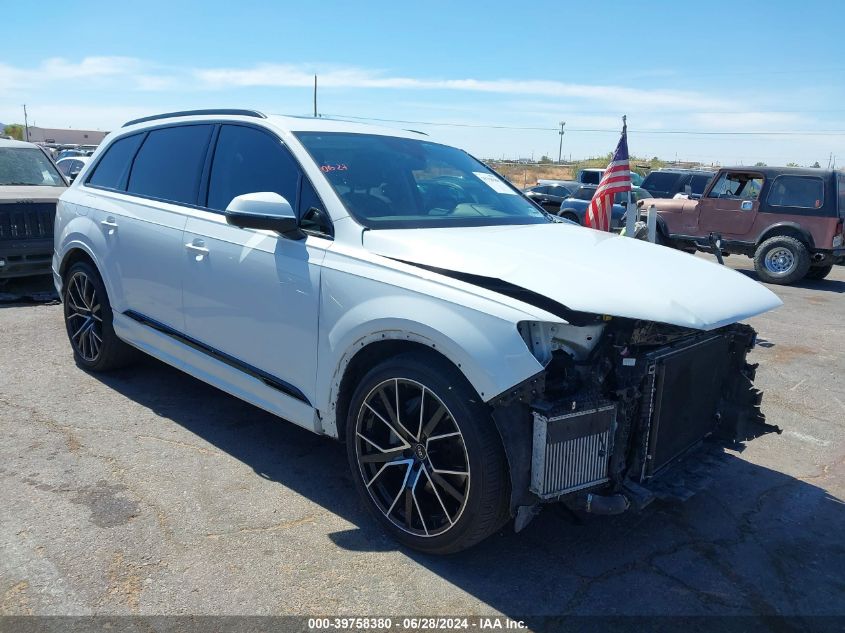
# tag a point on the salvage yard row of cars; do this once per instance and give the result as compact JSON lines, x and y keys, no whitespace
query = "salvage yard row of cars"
{"x":395,"y":293}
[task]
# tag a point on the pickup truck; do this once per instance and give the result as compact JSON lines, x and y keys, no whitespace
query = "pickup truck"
{"x":30,"y":185}
{"x":789,"y":220}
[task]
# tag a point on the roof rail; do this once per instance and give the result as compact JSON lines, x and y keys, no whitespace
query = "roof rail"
{"x":226,"y":111}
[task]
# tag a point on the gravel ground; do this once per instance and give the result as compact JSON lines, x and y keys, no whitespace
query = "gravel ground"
{"x":145,"y":491}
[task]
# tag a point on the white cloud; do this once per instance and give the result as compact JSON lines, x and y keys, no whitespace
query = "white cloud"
{"x":288,"y":75}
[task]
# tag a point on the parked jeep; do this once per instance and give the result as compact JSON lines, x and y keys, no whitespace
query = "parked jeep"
{"x":30,"y":185}
{"x":789,"y":220}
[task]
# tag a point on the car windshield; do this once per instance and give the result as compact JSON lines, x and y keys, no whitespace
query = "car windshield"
{"x":27,"y":166}
{"x":387,"y":182}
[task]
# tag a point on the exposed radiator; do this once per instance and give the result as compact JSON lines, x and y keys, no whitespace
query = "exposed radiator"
{"x":571,"y":451}
{"x":682,"y":398}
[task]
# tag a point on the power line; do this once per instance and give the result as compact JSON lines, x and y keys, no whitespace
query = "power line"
{"x":595,"y":130}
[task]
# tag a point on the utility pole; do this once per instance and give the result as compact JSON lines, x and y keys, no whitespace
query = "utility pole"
{"x":25,"y":122}
{"x":315,"y":96}
{"x":560,"y":146}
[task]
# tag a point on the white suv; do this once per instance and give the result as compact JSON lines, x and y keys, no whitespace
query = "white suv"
{"x":477,"y":357}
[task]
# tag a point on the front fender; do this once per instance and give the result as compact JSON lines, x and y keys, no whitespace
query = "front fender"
{"x":488,"y":349}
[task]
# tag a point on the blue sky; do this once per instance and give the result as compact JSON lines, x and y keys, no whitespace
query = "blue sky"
{"x":700,"y":68}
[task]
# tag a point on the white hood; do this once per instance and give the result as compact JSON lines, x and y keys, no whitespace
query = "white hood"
{"x":587,"y":271}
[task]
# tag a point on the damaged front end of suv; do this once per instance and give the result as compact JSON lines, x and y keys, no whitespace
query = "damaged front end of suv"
{"x":619,"y":402}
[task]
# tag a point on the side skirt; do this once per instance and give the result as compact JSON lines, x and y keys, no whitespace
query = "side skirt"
{"x":217,"y":369}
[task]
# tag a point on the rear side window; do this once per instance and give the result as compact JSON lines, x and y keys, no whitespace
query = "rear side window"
{"x":169,"y":163}
{"x":806,"y":192}
{"x":591,"y":177}
{"x":113,"y":167}
{"x":247,"y":160}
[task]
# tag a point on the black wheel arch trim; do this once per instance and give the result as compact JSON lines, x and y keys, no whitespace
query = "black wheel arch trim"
{"x":268,"y":379}
{"x":772,"y":231}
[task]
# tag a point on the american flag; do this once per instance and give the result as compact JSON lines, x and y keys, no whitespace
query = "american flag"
{"x":616,"y":179}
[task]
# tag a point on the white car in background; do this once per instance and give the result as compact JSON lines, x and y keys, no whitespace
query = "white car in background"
{"x":72,"y":166}
{"x":478,"y":358}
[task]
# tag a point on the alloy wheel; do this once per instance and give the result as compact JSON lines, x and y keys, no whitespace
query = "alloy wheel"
{"x":412,"y":457}
{"x":83,"y":314}
{"x":779,"y":261}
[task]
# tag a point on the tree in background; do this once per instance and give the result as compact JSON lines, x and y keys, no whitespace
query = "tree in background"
{"x":760,"y":164}
{"x":15,"y":131}
{"x":816,"y":165}
{"x":793,"y":165}
{"x":545,"y":159}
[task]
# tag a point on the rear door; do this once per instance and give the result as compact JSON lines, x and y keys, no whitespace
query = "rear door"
{"x":731,"y":205}
{"x":141,"y":213}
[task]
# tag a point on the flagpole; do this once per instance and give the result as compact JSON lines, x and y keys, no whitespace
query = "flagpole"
{"x":630,"y":213}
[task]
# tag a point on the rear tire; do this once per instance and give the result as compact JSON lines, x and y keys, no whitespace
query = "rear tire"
{"x":818,"y":272}
{"x":781,"y":260}
{"x":405,"y":459}
{"x":88,"y":320}
{"x":569,"y":215}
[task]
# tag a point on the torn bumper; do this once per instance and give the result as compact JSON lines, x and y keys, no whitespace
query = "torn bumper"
{"x":642,"y":409}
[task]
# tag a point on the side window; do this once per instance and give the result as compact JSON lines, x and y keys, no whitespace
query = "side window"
{"x":312,"y":212}
{"x":112,"y":169}
{"x":805,"y":192}
{"x":247,"y":160}
{"x":699,"y":183}
{"x":169,"y":163}
{"x":64,"y":167}
{"x":737,"y":186}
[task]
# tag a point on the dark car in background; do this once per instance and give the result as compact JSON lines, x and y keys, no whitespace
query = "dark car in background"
{"x":667,"y":183}
{"x":574,"y":208}
{"x":550,"y":196}
{"x":30,"y":185}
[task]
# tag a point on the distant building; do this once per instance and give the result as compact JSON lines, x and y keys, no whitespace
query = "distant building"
{"x":65,"y":137}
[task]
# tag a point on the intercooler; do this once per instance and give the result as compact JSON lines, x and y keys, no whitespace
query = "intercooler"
{"x":571,"y":450}
{"x":678,"y":407}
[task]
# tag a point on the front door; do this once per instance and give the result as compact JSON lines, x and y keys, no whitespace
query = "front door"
{"x":254,"y":295}
{"x":731,"y":205}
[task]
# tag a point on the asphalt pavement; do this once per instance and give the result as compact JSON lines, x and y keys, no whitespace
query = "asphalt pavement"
{"x":146,"y":491}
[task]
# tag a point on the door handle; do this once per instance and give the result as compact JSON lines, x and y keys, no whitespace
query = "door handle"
{"x":110,"y":224}
{"x":197,"y":246}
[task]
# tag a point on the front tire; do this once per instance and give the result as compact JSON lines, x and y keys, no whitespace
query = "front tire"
{"x":781,"y":260}
{"x":88,"y":320}
{"x":425,"y":455}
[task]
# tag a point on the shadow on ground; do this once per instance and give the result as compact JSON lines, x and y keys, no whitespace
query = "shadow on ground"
{"x":27,"y":291}
{"x":826,"y":285}
{"x":756,"y":542}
